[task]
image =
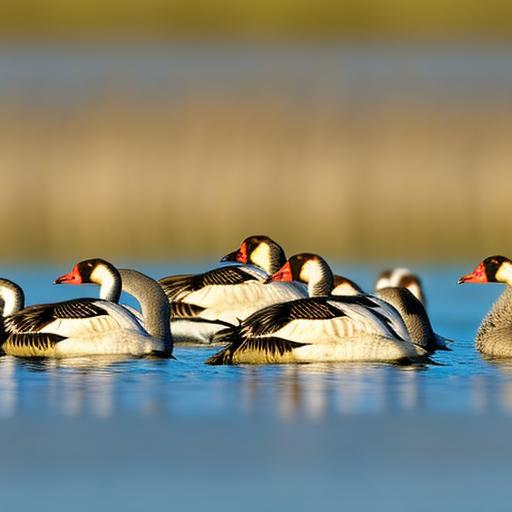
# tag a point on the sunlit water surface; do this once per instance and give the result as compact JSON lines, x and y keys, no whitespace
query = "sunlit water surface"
{"x":181,"y":428}
{"x":460,"y":381}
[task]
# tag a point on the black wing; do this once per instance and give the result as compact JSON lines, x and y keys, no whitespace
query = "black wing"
{"x":255,"y":333}
{"x":32,"y":344}
{"x":175,"y":287}
{"x":272,"y":318}
{"x":34,"y":318}
{"x":185,"y":310}
{"x":267,"y":348}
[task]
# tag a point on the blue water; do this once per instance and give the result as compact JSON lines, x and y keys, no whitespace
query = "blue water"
{"x":93,"y":433}
{"x":461,"y":381}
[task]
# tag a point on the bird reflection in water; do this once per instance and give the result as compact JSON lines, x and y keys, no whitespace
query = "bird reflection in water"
{"x":82,"y":386}
{"x":104,"y":387}
{"x":492,"y":395}
{"x":317,"y":391}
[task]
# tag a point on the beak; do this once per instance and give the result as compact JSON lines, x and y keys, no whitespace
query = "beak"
{"x":477,"y":276}
{"x":61,"y":279}
{"x":232,"y":256}
{"x":72,"y":277}
{"x":283,"y":274}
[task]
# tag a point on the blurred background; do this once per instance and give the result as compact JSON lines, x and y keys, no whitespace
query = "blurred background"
{"x":157,"y":130}
{"x":166,"y":131}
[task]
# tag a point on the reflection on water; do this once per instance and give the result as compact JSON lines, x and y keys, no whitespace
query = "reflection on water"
{"x":107,"y":387}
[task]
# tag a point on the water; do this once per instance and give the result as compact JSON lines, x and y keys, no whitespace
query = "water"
{"x":54,"y":76}
{"x":143,"y":433}
{"x":461,"y":381}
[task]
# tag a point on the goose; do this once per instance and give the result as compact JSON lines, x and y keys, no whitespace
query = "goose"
{"x":90,"y":326}
{"x":411,"y":310}
{"x":494,"y":336}
{"x":203,"y":304}
{"x":401,"y":278}
{"x":321,"y":328}
{"x":415,"y":318}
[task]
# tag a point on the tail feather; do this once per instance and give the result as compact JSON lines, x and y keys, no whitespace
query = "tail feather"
{"x":254,"y":350}
{"x":225,"y":356}
{"x":228,"y":336}
{"x":442,"y":343}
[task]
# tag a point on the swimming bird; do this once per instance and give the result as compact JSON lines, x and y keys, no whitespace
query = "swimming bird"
{"x":90,"y":326}
{"x":410,"y":308}
{"x":415,"y":318}
{"x":494,"y":336}
{"x":203,"y":304}
{"x":321,"y":328}
{"x":401,"y":278}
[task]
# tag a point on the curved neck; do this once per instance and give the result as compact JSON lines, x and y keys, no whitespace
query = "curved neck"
{"x":413,"y":315}
{"x":111,"y":285}
{"x":153,"y":302}
{"x":11,"y":296}
{"x":268,"y":256}
{"x":277,"y":259}
{"x":320,"y":279}
{"x":504,"y":273}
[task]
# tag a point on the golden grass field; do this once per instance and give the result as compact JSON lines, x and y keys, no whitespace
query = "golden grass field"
{"x":283,"y":19}
{"x":398,"y":177}
{"x":407,"y":181}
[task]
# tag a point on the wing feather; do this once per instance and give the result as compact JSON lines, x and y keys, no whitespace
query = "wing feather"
{"x":185,"y":310}
{"x":71,"y":318}
{"x":178,"y":287}
{"x":267,"y":349}
{"x":32,"y":344}
{"x":35,"y":318}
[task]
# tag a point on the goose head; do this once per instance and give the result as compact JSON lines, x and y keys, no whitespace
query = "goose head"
{"x":261,"y":251}
{"x":345,"y":286}
{"x":494,"y":269}
{"x":95,"y":271}
{"x":401,"y":278}
{"x":307,"y":268}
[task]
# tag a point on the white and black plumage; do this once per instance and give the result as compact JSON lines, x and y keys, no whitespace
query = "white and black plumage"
{"x":12,"y":298}
{"x":320,"y":328}
{"x":411,"y":309}
{"x":494,"y":336}
{"x":401,"y":278}
{"x":415,"y":318}
{"x":93,"y":326}
{"x":344,"y":286}
{"x":206,"y":303}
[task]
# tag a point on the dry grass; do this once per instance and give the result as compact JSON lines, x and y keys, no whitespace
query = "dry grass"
{"x":394,"y":180}
{"x":434,"y":19}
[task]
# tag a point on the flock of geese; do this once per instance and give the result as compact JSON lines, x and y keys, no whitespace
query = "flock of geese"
{"x":260,"y":306}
